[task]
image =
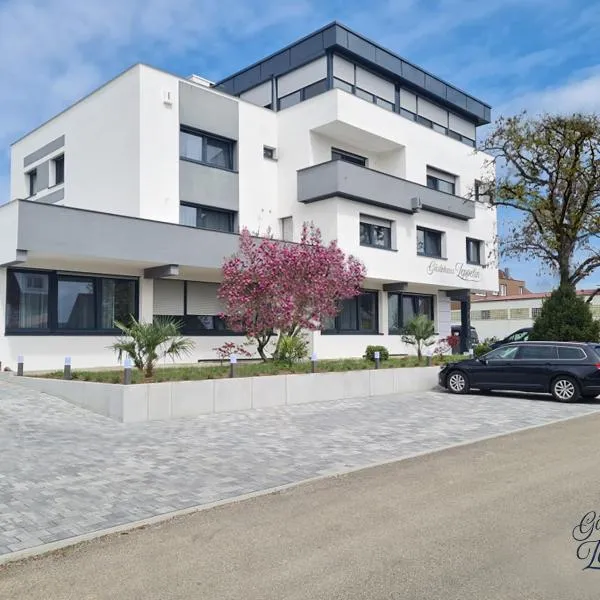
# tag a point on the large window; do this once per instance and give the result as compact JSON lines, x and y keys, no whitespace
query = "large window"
{"x":205,"y":218}
{"x":402,"y":308}
{"x":50,"y":302}
{"x":429,"y":242}
{"x":357,"y":315}
{"x":441,"y":181}
{"x":355,"y":159}
{"x":59,"y":169}
{"x":375,"y":232}
{"x":207,"y":149}
{"x":473,"y":251}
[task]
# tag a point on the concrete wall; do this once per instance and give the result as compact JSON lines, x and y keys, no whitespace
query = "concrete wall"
{"x":169,"y":400}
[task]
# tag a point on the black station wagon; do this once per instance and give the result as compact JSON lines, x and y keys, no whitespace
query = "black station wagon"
{"x":567,"y":370}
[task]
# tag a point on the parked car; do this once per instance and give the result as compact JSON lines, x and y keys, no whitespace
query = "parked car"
{"x":520,"y":335}
{"x":567,"y":370}
{"x":456,"y":330}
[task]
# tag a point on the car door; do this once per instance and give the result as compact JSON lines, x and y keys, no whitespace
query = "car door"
{"x":533,"y":366}
{"x":494,"y":370}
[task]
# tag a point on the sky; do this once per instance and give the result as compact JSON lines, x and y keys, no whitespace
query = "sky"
{"x":539,"y":55}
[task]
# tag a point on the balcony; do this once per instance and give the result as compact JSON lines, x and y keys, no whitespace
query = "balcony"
{"x":346,"y":180}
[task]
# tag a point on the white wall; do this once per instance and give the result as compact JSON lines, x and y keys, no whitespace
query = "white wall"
{"x":102,"y":134}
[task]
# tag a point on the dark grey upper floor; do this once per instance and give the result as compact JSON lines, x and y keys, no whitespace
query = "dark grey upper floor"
{"x":339,"y":39}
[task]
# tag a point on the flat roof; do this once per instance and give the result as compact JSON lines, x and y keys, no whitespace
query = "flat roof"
{"x":529,"y":296}
{"x":338,"y":38}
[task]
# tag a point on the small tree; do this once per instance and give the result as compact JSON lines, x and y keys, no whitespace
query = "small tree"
{"x":419,"y":333}
{"x":565,"y":317}
{"x":273,"y":286}
{"x":146,"y":343}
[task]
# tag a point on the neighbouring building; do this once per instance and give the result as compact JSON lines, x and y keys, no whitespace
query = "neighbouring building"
{"x":499,"y":316}
{"x":128,"y":201}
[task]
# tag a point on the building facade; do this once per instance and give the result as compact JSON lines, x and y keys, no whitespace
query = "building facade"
{"x":129,"y":201}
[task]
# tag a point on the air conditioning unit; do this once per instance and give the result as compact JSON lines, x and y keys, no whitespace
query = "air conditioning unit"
{"x":416,"y":204}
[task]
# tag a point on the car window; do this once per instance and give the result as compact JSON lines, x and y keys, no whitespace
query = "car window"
{"x":502,"y":353}
{"x":518,"y":336}
{"x":570,"y":353}
{"x":537,"y":353}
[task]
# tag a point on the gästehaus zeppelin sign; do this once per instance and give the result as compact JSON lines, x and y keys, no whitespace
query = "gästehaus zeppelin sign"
{"x":460,"y":270}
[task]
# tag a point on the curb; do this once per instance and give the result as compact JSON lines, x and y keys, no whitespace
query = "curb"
{"x":36,"y":551}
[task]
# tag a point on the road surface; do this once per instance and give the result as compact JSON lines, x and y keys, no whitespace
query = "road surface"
{"x":488,"y":521}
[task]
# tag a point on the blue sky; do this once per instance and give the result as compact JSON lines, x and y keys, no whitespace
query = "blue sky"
{"x":539,"y":55}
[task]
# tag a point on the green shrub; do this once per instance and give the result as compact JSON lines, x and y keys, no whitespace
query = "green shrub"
{"x":291,"y":349}
{"x":565,"y":317}
{"x":482,"y":349}
{"x":384,"y":353}
{"x":419,"y":333}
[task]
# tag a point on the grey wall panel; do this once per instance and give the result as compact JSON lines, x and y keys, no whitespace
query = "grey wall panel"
{"x":297,"y":79}
{"x":53,"y":197}
{"x":44,"y":150}
{"x":54,"y":230}
{"x":208,"y":186}
{"x":208,"y":111}
{"x":42,"y":181}
{"x":259,"y":95}
{"x":339,"y":178}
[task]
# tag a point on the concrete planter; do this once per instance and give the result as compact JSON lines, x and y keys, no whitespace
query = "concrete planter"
{"x":175,"y":399}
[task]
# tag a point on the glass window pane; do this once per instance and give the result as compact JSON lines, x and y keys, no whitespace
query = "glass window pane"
{"x":408,"y":310}
{"x":76,"y":304}
{"x":342,"y":85}
{"x":433,"y":243}
{"x":384,"y":104}
{"x":432,"y":182}
{"x":118,"y":302}
{"x":26,"y":300}
{"x":315,"y":89}
{"x":565,"y":352}
{"x":504,"y":353}
{"x":381,"y":236}
{"x":348,"y":320}
{"x":438,"y":128}
{"x":393,"y":313}
{"x":407,"y":114}
{"x":365,"y":234}
{"x":59,"y":170}
{"x":218,"y":153}
{"x":420,"y":241}
{"x":445,"y":186}
{"x":367,"y":313}
{"x":214,"y":219}
{"x":364,"y":95}
{"x":290,"y":100}
{"x":537,"y":353}
{"x":187,"y":215}
{"x":190,"y":145}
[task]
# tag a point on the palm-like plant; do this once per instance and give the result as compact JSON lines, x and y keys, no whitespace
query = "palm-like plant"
{"x":146,"y":343}
{"x":419,"y":332}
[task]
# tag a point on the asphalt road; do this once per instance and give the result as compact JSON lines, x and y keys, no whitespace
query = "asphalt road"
{"x":488,"y":521}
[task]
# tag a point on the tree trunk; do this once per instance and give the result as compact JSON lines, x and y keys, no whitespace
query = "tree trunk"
{"x":149,"y":371}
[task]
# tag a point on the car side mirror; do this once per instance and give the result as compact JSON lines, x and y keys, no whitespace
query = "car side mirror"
{"x":482,"y":360}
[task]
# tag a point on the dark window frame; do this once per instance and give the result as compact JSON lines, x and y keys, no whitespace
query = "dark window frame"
{"x":401,"y":295}
{"x":32,"y":181}
{"x":479,"y":244}
{"x":229,"y":213}
{"x":52,"y":315}
{"x":59,"y":160}
{"x":425,"y":252}
{"x":436,"y":185}
{"x":371,"y":244}
{"x":206,"y":136}
{"x":349,"y":157}
{"x":337,"y":328}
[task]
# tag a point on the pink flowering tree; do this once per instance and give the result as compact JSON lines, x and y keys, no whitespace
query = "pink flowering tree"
{"x":273,"y":286}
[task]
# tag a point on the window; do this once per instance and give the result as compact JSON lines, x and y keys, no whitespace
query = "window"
{"x":521,"y":290}
{"x":477,"y":190}
{"x":473,"y":251}
{"x":205,"y":218}
{"x":519,"y":336}
{"x":357,"y":315}
{"x":423,"y":121}
{"x":503,"y":289}
{"x":206,"y":149}
{"x":32,"y":181}
{"x":429,"y":242}
{"x":269,"y":152}
{"x":536,"y":312}
{"x":441,"y":181}
{"x":287,"y":229}
{"x":290,"y":100}
{"x":402,"y":308}
{"x":342,"y":85}
{"x":310,"y":91}
{"x":570,"y":353}
{"x":503,"y":353}
{"x":59,"y":169}
{"x":407,"y":114}
{"x":50,"y":302}
{"x":355,"y":159}
{"x":537,"y":353}
{"x":375,"y":232}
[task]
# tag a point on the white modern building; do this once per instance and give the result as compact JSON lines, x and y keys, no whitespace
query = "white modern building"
{"x":128,"y":201}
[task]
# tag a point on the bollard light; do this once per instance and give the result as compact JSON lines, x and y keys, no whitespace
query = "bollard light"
{"x":67,"y":368}
{"x":376,"y":355}
{"x":232,"y":363}
{"x":127,"y":372}
{"x":313,"y":362}
{"x":20,"y":361}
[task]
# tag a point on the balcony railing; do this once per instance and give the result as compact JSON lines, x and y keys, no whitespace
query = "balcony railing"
{"x":347,"y":180}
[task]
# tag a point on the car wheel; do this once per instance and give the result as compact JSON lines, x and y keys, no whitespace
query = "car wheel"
{"x":457,"y":382}
{"x":565,"y":389}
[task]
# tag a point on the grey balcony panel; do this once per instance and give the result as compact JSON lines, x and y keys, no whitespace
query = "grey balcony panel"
{"x":60,"y":231}
{"x":346,"y":180}
{"x":209,"y":186}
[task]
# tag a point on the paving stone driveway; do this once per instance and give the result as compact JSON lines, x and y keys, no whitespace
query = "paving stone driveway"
{"x":65,"y":471}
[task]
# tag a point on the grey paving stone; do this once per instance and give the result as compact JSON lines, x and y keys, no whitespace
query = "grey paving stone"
{"x":65,"y":471}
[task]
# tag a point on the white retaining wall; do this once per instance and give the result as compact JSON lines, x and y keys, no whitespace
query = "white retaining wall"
{"x":174,"y":399}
